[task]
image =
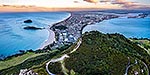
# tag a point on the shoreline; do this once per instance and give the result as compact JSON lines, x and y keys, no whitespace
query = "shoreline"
{"x":54,"y":33}
{"x":51,"y":36}
{"x":69,"y":30}
{"x":51,"y":33}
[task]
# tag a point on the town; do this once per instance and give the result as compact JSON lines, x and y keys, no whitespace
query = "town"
{"x":69,"y":30}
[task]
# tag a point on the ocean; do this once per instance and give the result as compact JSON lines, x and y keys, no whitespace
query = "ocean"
{"x":129,"y":27}
{"x":14,"y":38}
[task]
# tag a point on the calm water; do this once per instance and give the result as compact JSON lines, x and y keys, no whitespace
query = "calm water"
{"x":130,"y":27}
{"x":14,"y":38}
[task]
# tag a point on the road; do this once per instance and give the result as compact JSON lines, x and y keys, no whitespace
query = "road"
{"x":55,"y":60}
{"x":146,"y":67}
{"x":129,"y":65}
{"x":77,"y":46}
{"x":62,"y":57}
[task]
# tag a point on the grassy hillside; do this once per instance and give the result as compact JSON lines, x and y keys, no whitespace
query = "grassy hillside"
{"x":34,"y":62}
{"x":144,"y":43}
{"x":18,"y":60}
{"x":106,"y":54}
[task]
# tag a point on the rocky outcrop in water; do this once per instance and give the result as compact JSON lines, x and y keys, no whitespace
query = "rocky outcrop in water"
{"x":28,"y":21}
{"x":32,"y":28}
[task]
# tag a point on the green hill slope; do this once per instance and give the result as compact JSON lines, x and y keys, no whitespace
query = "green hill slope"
{"x":106,"y":54}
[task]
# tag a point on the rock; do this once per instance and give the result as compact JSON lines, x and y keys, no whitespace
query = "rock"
{"x":27,"y":72}
{"x":21,"y":51}
{"x":32,"y":28}
{"x":28,"y":21}
{"x":132,"y":16}
{"x":142,"y":15}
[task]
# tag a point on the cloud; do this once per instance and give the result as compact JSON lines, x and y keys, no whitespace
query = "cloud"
{"x":119,"y":2}
{"x":131,"y":5}
{"x":76,"y":1}
{"x":126,"y":4}
{"x":123,"y":2}
{"x":144,"y":7}
{"x":92,"y":1}
{"x":104,"y":1}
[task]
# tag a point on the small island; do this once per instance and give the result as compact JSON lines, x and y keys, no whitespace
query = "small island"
{"x":32,"y":28}
{"x":28,"y":21}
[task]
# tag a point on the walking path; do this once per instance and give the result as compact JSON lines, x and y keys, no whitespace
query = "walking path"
{"x":136,"y":62}
{"x":129,"y":65}
{"x":62,"y":57}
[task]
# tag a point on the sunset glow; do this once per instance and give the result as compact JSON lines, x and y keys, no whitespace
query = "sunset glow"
{"x":111,"y":4}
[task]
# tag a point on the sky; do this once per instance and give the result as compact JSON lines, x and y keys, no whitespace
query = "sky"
{"x":112,"y":4}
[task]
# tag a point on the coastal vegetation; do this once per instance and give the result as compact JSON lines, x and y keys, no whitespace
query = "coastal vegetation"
{"x":142,"y":42}
{"x":61,"y":27}
{"x":33,"y":61}
{"x":105,"y":54}
{"x":16,"y":60}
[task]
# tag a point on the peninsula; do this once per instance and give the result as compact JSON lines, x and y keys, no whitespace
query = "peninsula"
{"x":69,"y":30}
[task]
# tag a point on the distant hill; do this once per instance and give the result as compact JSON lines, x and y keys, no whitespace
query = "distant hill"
{"x":105,"y":54}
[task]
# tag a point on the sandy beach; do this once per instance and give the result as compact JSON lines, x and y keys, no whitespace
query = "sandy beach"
{"x":51,"y":36}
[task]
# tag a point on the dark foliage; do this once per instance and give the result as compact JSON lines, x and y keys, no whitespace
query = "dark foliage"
{"x":61,"y":27}
{"x":105,"y":54}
